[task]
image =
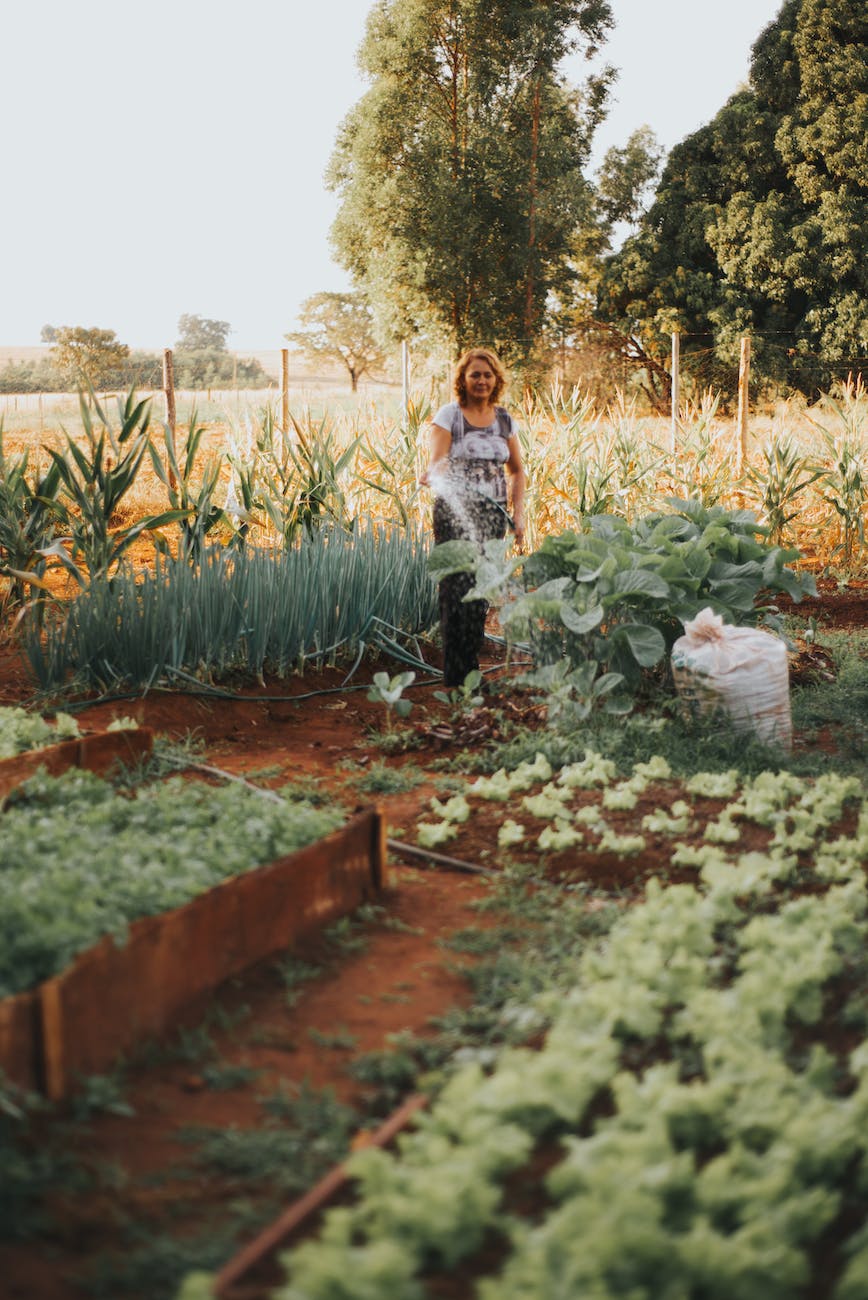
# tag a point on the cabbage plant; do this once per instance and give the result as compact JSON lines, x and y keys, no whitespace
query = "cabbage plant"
{"x":601,"y":607}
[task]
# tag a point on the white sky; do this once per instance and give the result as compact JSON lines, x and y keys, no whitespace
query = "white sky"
{"x":168,"y":158}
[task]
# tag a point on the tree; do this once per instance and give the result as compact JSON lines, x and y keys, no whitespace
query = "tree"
{"x":758,"y":223}
{"x":339,"y":327}
{"x":199,"y":334}
{"x":628,"y":175}
{"x":48,"y":334}
{"x":93,"y":355}
{"x":460,"y":171}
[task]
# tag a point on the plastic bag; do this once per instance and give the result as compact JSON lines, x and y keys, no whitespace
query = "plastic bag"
{"x":742,"y":670}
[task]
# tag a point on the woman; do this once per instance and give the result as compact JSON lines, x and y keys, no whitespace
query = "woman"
{"x":473,"y":441}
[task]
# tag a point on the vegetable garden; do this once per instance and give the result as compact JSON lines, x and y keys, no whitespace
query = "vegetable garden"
{"x":630,"y":973}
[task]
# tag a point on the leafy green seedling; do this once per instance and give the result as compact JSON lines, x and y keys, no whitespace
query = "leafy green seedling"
{"x":389,"y":691}
{"x":466,"y":695}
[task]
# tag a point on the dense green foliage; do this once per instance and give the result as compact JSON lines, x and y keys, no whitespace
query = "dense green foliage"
{"x":80,"y":860}
{"x":705,"y":1119}
{"x":601,"y":606}
{"x":759,"y":221}
{"x":460,"y":171}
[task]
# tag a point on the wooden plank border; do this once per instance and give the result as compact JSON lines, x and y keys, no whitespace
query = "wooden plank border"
{"x":98,"y":753}
{"x":242,"y":1276}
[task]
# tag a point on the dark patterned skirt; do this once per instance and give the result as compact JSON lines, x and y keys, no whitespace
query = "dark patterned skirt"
{"x":466,"y":515}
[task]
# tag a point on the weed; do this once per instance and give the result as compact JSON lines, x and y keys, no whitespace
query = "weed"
{"x":189,"y":1044}
{"x":154,"y":1263}
{"x":100,"y":1094}
{"x":312,"y":1110}
{"x":381,"y":779}
{"x":344,"y":935}
{"x":294,"y":973}
{"x":307,"y":789}
{"x":339,"y":1040}
{"x":269,"y":770}
{"x":397,"y":741}
{"x":306,"y":1132}
{"x":225,"y":1077}
{"x":276,"y":1039}
{"x":476,"y":942}
{"x":400,"y":927}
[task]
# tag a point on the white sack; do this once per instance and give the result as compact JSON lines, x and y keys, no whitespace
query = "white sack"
{"x":742,"y":670}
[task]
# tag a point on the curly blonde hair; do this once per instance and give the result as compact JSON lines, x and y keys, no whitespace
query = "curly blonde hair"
{"x":478,"y":354}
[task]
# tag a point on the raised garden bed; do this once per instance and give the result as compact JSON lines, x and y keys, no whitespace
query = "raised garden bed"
{"x":52,"y":1035}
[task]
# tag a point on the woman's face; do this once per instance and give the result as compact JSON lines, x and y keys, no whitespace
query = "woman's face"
{"x":479,"y":379}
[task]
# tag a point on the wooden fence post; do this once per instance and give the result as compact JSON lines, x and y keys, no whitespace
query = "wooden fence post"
{"x":284,"y":390}
{"x":675,"y":385}
{"x":743,"y":402}
{"x":169,"y":387}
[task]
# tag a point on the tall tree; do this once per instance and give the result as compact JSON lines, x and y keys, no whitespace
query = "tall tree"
{"x":460,"y":171}
{"x":759,"y":221}
{"x":339,"y":327}
{"x":200,"y":334}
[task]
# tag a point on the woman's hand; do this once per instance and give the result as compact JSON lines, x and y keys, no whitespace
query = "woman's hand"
{"x":518,"y":526}
{"x":440,"y":441}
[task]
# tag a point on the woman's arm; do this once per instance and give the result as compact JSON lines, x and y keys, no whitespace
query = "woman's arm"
{"x":440,"y":440}
{"x":517,"y":483}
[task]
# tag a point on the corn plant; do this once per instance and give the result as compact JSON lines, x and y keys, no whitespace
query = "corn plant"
{"x":29,"y":516}
{"x":634,"y":455}
{"x":320,"y":464}
{"x":95,"y":481}
{"x":299,"y":477}
{"x":780,"y":482}
{"x":580,"y":488}
{"x":702,"y":465}
{"x":191,"y":502}
{"x":388,"y":461}
{"x":844,"y":480}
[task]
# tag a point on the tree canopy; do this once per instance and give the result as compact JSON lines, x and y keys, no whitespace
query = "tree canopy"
{"x":339,"y":327}
{"x":758,"y":225}
{"x":460,"y":170}
{"x":199,"y":334}
{"x":93,"y":355}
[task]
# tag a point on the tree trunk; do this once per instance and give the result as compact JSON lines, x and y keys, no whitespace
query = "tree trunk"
{"x":530,"y":281}
{"x":631,"y":350}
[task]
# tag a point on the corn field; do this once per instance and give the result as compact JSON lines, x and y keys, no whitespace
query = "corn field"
{"x":76,"y":505}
